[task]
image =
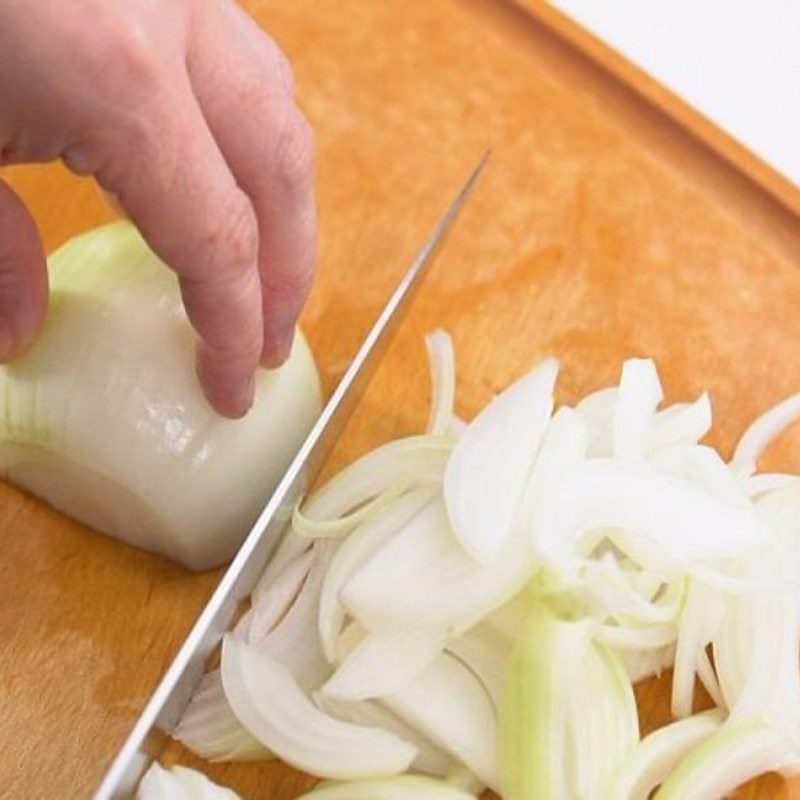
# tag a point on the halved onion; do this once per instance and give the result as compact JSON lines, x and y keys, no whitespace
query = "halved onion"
{"x":104,"y":418}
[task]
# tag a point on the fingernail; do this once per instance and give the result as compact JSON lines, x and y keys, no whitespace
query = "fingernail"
{"x":277,"y":348}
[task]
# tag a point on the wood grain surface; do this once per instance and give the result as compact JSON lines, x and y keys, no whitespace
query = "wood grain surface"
{"x":601,"y":230}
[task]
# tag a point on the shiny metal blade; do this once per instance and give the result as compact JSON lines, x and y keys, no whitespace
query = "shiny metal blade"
{"x":166,"y":705}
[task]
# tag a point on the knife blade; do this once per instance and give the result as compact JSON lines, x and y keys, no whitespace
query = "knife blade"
{"x":162,"y":712}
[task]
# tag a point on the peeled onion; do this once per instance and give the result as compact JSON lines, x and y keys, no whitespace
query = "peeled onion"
{"x":105,"y":420}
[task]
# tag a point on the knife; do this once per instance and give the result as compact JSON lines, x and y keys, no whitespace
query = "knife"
{"x":164,"y":709}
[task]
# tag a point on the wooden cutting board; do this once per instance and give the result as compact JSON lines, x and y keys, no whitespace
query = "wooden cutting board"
{"x":601,"y":230}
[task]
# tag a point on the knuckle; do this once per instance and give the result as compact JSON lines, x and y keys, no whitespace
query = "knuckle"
{"x":128,"y":59}
{"x":296,"y":153}
{"x":232,"y":239}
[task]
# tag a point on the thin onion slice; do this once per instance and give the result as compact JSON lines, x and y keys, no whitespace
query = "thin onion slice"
{"x":682,"y":423}
{"x":533,"y":716}
{"x":271,"y":604}
{"x":403,"y":462}
{"x":430,"y":758}
{"x":659,"y":753}
{"x":423,"y":573}
{"x":769,"y":482}
{"x":762,"y":432}
{"x":355,"y":549}
{"x":384,"y":663}
{"x":270,"y":704}
{"x":295,"y":642}
{"x":603,"y":726}
{"x":486,"y":652}
{"x":449,"y":706}
{"x":326,"y":528}
{"x":639,"y":394}
{"x":443,"y":382}
{"x":661,"y":520}
{"x":700,"y":621}
{"x":180,"y":783}
{"x":723,"y":761}
{"x":598,"y":410}
{"x":210,"y":729}
{"x":403,"y":787}
{"x":487,"y":473}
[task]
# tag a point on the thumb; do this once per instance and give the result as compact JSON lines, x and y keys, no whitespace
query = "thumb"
{"x":23,"y":276}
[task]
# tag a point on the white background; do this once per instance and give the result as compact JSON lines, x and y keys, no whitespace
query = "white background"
{"x":736,"y":62}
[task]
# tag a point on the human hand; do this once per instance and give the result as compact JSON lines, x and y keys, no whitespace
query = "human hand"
{"x":184,"y":110}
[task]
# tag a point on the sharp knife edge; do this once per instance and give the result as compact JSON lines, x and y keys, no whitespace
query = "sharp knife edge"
{"x":166,"y":705}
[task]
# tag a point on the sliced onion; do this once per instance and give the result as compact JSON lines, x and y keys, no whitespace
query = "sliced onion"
{"x":362,"y":543}
{"x":598,"y":409}
{"x":443,"y":382}
{"x":415,"y":459}
{"x":487,"y":473}
{"x":271,"y":604}
{"x":639,"y":394}
{"x":625,"y":597}
{"x":699,"y":623}
{"x":430,"y":758}
{"x":562,"y":451}
{"x":295,"y":642}
{"x":432,"y":578}
{"x":603,"y":726}
{"x":210,"y":729}
{"x":682,"y":423}
{"x":769,"y":482}
{"x":384,"y":663}
{"x":179,"y":783}
{"x":485,"y":652}
{"x":269,"y":703}
{"x":666,"y":520}
{"x":622,"y":637}
{"x":449,"y":706}
{"x":288,"y":549}
{"x":770,"y":675}
{"x":705,"y":466}
{"x":339,"y":526}
{"x":659,"y":753}
{"x":647,"y":663}
{"x":533,"y":716}
{"x":723,"y":761}
{"x":762,"y":432}
{"x":403,"y":787}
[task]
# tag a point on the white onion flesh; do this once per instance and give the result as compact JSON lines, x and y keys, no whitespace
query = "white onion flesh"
{"x":480,"y":600}
{"x":210,"y":729}
{"x":384,"y":663}
{"x":180,"y":783}
{"x":443,"y":382}
{"x":487,"y":473}
{"x":417,"y":459}
{"x":104,"y":419}
{"x":667,"y":521}
{"x":361,"y":544}
{"x":659,"y":753}
{"x":638,"y":397}
{"x":448,"y":704}
{"x":430,"y":758}
{"x":272,"y":604}
{"x":762,"y":432}
{"x":270,"y":704}
{"x":403,"y":787}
